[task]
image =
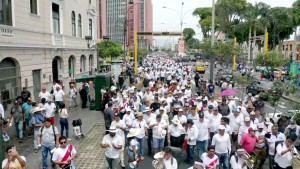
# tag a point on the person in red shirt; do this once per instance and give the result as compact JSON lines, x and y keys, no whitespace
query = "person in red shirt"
{"x":249,"y":140}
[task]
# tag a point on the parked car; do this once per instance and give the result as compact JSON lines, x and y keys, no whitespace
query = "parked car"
{"x":193,"y":59}
{"x":259,"y":86}
{"x":185,"y":59}
{"x":200,"y":67}
{"x":223,"y":75}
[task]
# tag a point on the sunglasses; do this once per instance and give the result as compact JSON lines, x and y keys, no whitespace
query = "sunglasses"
{"x":63,"y":142}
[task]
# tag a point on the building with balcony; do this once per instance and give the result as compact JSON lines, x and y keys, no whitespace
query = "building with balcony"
{"x":43,"y":42}
{"x":291,"y":50}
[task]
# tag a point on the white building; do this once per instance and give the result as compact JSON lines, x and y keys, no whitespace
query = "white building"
{"x":43,"y":41}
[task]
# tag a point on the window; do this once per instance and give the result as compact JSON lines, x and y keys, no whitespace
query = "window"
{"x":79,"y":26}
{"x":90,"y":27}
{"x":5,"y":12}
{"x":55,"y":18}
{"x":73,"y":24}
{"x":33,"y":6}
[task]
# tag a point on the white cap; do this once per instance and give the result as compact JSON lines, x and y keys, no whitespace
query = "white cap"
{"x":221,"y":127}
{"x":260,"y":125}
{"x":247,"y":118}
{"x":180,"y":110}
{"x":252,"y":113}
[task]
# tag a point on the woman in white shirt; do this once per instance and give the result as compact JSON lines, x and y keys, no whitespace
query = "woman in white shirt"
{"x":63,"y":119}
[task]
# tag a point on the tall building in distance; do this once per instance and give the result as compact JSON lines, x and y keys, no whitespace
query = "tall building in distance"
{"x":119,"y":19}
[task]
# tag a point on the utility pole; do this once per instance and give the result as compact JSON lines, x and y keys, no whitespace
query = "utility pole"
{"x":211,"y":71}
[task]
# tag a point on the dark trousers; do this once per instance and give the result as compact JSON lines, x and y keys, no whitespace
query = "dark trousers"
{"x":64,"y":125}
{"x":175,"y":141}
{"x":149,"y":141}
{"x":107,"y":128}
{"x":83,"y":104}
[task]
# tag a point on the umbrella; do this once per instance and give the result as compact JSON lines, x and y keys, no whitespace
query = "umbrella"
{"x":228,"y":92}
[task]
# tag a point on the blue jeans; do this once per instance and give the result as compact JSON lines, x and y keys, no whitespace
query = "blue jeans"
{"x":113,"y":163}
{"x":223,"y":159}
{"x":126,"y":140}
{"x":201,"y":147}
{"x":190,"y":153}
{"x":158,"y":142}
{"x":45,"y":151}
{"x":64,"y":124}
{"x":19,"y":129}
{"x":141,"y":146}
{"x":130,"y":154}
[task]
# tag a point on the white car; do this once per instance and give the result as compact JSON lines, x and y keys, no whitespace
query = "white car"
{"x":206,"y":63}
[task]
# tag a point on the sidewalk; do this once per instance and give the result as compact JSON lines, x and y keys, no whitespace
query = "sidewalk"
{"x":89,"y":148}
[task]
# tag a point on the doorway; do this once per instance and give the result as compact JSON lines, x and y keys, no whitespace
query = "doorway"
{"x":36,"y":78}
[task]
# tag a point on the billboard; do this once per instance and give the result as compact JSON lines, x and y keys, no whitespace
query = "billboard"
{"x":181,"y":46}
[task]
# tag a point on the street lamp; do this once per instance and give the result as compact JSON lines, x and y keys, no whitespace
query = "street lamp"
{"x":211,"y":70}
{"x":88,"y":41}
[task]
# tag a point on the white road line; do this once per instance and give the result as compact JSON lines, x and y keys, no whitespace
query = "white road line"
{"x":282,"y":106}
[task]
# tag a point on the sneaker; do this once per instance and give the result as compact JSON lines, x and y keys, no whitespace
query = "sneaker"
{"x":35,"y":150}
{"x":142,"y":158}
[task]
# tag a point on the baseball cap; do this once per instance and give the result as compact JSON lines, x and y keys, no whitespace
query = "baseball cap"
{"x":260,"y":125}
{"x":252,"y":113}
{"x":247,"y":119}
{"x":236,"y":110}
{"x":201,"y":114}
{"x":221,"y":127}
{"x":210,"y":107}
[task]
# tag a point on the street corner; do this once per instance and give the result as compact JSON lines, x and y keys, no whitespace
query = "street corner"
{"x":90,"y":154}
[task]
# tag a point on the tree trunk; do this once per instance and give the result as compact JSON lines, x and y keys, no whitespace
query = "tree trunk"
{"x":249,"y":45}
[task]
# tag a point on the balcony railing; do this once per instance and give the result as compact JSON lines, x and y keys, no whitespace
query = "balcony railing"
{"x":6,"y":31}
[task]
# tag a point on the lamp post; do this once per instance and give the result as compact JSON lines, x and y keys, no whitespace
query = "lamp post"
{"x":179,"y":14}
{"x":211,"y":71}
{"x":88,"y":40}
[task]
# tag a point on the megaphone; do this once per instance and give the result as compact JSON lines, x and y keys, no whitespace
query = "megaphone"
{"x":135,"y":163}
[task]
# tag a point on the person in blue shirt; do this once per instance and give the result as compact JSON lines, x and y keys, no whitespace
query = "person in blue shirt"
{"x":26,"y":108}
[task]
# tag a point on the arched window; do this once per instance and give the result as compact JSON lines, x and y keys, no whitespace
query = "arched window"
{"x":79,"y":26}
{"x":73,"y":24}
{"x":82,"y":63}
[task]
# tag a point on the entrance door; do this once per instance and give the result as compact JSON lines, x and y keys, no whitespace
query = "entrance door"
{"x":36,"y":75}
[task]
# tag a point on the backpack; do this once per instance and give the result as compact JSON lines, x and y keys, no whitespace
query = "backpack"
{"x":276,"y":144}
{"x":53,"y":132}
{"x":292,"y":133}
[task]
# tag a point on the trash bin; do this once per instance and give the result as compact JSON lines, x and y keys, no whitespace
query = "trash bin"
{"x":102,"y":80}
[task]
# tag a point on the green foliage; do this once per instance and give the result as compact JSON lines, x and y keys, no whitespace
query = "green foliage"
{"x":188,"y":33}
{"x":143,"y":52}
{"x":271,"y":59}
{"x":108,"y":48}
{"x":243,"y":81}
{"x":204,"y":15}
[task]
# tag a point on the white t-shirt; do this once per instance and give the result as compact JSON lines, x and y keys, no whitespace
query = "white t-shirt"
{"x":132,"y":143}
{"x":175,"y":131}
{"x":14,"y":164}
{"x":73,"y":92}
{"x":210,"y":163}
{"x":128,"y":119}
{"x":45,"y":95}
{"x":222,"y":143}
{"x":169,"y":165}
{"x":120,"y":132}
{"x":49,"y":109}
{"x":59,"y":95}
{"x":202,"y":129}
{"x":140,"y":124}
{"x":110,"y":152}
{"x":59,"y":153}
{"x":161,"y":124}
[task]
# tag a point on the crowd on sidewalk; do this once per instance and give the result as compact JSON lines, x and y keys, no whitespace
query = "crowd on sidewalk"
{"x":36,"y":121}
{"x":162,"y":110}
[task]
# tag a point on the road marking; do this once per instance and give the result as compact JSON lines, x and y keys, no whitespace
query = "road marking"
{"x":282,"y":106}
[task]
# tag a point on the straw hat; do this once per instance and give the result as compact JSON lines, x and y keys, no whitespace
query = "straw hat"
{"x":134,"y":132}
{"x":175,"y":121}
{"x":219,"y":99}
{"x":112,"y":129}
{"x":139,"y":114}
{"x":37,"y":109}
{"x":159,"y":155}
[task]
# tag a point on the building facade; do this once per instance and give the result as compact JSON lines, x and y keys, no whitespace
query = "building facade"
{"x":43,"y":42}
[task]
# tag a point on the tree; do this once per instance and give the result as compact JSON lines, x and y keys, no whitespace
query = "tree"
{"x":204,"y":15}
{"x":271,"y":60}
{"x":108,"y":48}
{"x":143,"y":52}
{"x":188,"y":34}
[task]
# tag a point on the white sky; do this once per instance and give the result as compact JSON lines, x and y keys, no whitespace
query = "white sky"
{"x":171,"y":18}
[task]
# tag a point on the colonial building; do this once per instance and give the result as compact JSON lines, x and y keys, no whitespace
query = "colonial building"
{"x":43,"y":41}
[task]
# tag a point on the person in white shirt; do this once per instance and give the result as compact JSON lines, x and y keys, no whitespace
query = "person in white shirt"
{"x":121,"y":127}
{"x":274,"y":137}
{"x":244,"y":128}
{"x":235,"y":121}
{"x":212,"y":101}
{"x":210,"y":159}
{"x":73,"y":96}
{"x":260,"y":148}
{"x":61,"y":151}
{"x":141,"y":124}
{"x":13,"y":160}
{"x":228,"y":129}
{"x":191,"y":137}
{"x":50,"y":109}
{"x":285,"y":154}
{"x":58,"y":96}
{"x":203,"y":134}
{"x":128,"y":119}
{"x":168,"y":161}
{"x":253,"y":120}
{"x":148,"y":117}
{"x":159,"y":132}
{"x":237,"y":161}
{"x":44,"y":94}
{"x":2,"y":115}
{"x":214,"y":121}
{"x":223,"y":146}
{"x":174,"y":133}
{"x":112,"y":144}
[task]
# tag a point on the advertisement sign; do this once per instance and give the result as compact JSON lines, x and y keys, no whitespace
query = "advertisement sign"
{"x":181,"y":46}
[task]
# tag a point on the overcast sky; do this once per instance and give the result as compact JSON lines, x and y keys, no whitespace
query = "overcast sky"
{"x":171,"y":19}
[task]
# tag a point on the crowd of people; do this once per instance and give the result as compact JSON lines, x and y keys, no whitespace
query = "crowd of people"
{"x":36,"y":121}
{"x":164,"y":109}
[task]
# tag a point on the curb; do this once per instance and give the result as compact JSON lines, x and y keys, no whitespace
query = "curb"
{"x":288,"y":98}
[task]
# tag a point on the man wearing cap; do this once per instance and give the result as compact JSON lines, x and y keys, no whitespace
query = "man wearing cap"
{"x":25,"y":94}
{"x":142,"y":125}
{"x":208,"y":112}
{"x":237,"y":161}
{"x":158,"y":128}
{"x":17,"y":116}
{"x":121,"y":127}
{"x":283,"y":122}
{"x":191,"y":137}
{"x":249,"y":140}
{"x":193,"y":116}
{"x":58,"y":96}
{"x":235,"y":121}
{"x":203,"y":134}
{"x":272,"y":138}
{"x":175,"y":105}
{"x":112,"y":144}
{"x":181,"y":117}
{"x":214,"y":121}
{"x":253,"y":120}
{"x":44,"y":94}
{"x":174,"y":132}
{"x":223,"y":146}
{"x":50,"y":109}
{"x":260,"y":148}
{"x":268,"y":125}
{"x":249,"y":98}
